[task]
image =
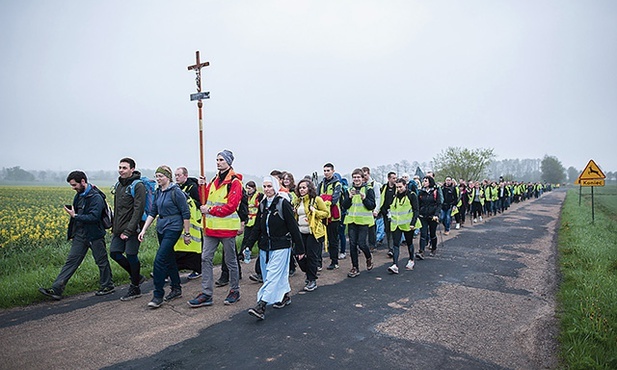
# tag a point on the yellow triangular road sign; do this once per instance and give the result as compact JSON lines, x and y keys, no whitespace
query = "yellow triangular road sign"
{"x":591,"y":172}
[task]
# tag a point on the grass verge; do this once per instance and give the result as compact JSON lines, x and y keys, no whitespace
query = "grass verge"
{"x":26,"y":268}
{"x":588,"y":292}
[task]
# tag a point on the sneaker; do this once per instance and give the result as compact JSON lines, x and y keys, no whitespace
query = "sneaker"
{"x":259,"y":311}
{"x":134,"y":292}
{"x":256,"y":278}
{"x":393,"y":269}
{"x":420,"y":255}
{"x":156,"y":302}
{"x":353,"y":272}
{"x":220,"y":282}
{"x":285,"y":302}
{"x":390,"y":254}
{"x":310,"y":286}
{"x":342,"y":256}
{"x":475,"y":220}
{"x":458,"y":226}
{"x":432,"y":254}
{"x":105,"y":291}
{"x":369,"y":264}
{"x":194,"y":275}
{"x":51,"y":293}
{"x":175,"y":293}
{"x":232,"y":297}
{"x":333,"y":266}
{"x":410,"y":265}
{"x":201,"y":300}
{"x":319,"y":268}
{"x":480,"y":218}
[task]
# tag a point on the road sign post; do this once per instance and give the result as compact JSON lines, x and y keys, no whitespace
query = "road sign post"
{"x":591,"y":176}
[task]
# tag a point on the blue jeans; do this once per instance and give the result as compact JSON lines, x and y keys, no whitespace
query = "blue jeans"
{"x":165,"y":262}
{"x":446,"y":218}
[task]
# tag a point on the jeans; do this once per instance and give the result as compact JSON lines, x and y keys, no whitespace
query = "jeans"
{"x":79,"y":248}
{"x":397,"y":242}
{"x":207,"y":255}
{"x":357,"y":239}
{"x":165,"y":262}
{"x":446,"y":218}
{"x":429,"y":228}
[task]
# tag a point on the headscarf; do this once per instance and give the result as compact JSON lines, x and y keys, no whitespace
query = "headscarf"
{"x":274,"y":181}
{"x":164,"y":171}
{"x":228,"y":156}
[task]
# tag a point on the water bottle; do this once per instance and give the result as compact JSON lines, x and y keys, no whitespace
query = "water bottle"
{"x":247,"y":255}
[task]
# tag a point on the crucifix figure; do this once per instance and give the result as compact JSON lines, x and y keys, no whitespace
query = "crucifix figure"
{"x":197,"y":68}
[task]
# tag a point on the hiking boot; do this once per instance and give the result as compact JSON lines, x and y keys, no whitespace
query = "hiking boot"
{"x":310,"y":286}
{"x":256,"y":278}
{"x":353,"y":272}
{"x":51,"y":292}
{"x":156,"y":302}
{"x":134,"y":292}
{"x":201,"y":300}
{"x":232,"y":297}
{"x":221,"y":282}
{"x":194,"y":275}
{"x":285,"y":302}
{"x":259,"y":311}
{"x":332,"y":266}
{"x":105,"y":291}
{"x":175,"y":293}
{"x":420,"y":255}
{"x":342,"y":256}
{"x":410,"y":265}
{"x":369,"y":264}
{"x":393,"y":269}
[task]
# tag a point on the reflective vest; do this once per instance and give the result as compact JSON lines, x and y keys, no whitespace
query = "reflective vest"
{"x":472,"y":195}
{"x":358,"y":214}
{"x":253,"y":206}
{"x":195,"y":230}
{"x":401,"y":214}
{"x":218,"y":197}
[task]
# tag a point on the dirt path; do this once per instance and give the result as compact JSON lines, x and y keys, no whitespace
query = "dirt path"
{"x":486,"y":301}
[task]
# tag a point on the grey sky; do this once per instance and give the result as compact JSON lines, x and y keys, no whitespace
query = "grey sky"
{"x":296,"y":84}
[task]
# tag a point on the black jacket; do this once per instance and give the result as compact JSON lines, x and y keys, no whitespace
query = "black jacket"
{"x":429,"y":203}
{"x":128,"y":210}
{"x":450,"y":197}
{"x":280,"y":231}
{"x":88,"y":208}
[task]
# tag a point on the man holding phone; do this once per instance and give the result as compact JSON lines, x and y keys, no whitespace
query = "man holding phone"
{"x":86,"y":232}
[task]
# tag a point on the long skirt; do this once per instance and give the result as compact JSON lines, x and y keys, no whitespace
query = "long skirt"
{"x":275,"y":274}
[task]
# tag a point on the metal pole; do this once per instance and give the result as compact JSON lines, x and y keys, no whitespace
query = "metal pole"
{"x":593,"y":217}
{"x":580,"y":192}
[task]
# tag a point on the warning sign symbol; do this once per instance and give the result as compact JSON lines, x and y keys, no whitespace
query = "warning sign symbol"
{"x":591,"y":172}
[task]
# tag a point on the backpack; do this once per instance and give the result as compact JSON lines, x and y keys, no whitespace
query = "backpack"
{"x":107,"y":216}
{"x":278,"y":206}
{"x":150,"y":186}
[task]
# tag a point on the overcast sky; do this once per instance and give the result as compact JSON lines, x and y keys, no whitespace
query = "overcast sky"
{"x":296,"y":84}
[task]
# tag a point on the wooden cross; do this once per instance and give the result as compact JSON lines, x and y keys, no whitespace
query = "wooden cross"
{"x":197,"y":68}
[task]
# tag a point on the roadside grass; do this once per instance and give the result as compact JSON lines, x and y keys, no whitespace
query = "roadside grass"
{"x":588,"y":292}
{"x":26,"y":268}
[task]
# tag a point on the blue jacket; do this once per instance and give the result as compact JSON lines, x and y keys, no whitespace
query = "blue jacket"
{"x":88,"y":208}
{"x":171,"y":208}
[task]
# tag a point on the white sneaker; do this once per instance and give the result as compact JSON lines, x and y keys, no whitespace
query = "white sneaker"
{"x":393,"y":269}
{"x":458,"y":226}
{"x":410,"y":265}
{"x":342,"y":256}
{"x":475,"y":220}
{"x":480,"y":218}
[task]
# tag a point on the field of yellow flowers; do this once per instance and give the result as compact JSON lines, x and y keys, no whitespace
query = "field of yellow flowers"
{"x":33,"y":216}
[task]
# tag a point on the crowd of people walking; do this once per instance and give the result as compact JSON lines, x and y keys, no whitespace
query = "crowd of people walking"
{"x":291,"y":224}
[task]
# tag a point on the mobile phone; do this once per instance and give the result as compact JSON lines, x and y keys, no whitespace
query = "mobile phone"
{"x":68,"y":206}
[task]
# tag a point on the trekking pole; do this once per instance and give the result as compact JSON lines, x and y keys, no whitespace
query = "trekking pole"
{"x":199,"y":96}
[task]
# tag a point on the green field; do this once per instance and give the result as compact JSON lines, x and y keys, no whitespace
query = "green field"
{"x":588,"y":291}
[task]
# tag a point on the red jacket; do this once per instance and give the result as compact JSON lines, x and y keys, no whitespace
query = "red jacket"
{"x":234,"y":197}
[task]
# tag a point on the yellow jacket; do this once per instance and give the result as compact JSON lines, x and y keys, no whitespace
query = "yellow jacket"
{"x":322,"y":212}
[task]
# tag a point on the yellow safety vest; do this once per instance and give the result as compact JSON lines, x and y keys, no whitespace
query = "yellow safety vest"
{"x":401,"y":214}
{"x":195,"y":230}
{"x":218,"y":197}
{"x":358,"y":214}
{"x":253,"y":206}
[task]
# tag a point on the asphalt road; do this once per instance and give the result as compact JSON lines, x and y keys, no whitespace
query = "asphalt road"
{"x":486,"y":301}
